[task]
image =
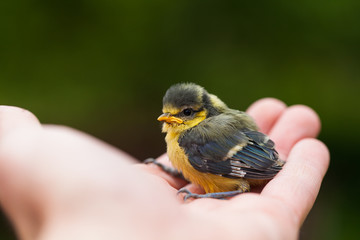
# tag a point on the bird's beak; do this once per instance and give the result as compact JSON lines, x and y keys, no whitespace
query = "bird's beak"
{"x":166,"y":117}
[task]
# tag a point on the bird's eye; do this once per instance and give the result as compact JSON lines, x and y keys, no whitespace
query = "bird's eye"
{"x":187,"y":111}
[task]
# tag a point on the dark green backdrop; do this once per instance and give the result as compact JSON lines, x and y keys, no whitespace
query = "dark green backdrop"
{"x":103,"y":66}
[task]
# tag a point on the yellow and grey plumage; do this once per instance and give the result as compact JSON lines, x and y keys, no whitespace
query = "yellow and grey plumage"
{"x":212,"y":145}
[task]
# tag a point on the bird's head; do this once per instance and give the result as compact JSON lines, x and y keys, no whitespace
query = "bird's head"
{"x":185,"y":105}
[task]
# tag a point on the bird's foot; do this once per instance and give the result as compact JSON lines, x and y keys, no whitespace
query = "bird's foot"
{"x":172,"y":171}
{"x":216,"y":195}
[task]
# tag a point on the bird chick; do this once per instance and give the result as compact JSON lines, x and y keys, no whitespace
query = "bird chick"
{"x":213,"y":146}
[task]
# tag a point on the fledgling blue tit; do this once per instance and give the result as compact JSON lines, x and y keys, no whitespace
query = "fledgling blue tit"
{"x":213,"y":146}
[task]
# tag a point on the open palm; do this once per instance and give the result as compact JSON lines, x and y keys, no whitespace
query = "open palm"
{"x":58,"y":183}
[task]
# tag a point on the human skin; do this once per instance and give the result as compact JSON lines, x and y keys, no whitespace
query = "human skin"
{"x":59,"y":183}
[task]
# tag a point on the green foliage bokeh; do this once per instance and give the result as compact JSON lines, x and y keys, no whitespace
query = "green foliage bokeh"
{"x":103,"y":67}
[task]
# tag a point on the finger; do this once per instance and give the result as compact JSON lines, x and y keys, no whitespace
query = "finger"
{"x":298,"y":184}
{"x":295,"y":123}
{"x":12,"y":118}
{"x":175,"y":181}
{"x":266,"y":111}
{"x":164,"y":159}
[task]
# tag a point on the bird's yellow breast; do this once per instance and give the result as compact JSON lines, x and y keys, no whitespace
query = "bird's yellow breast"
{"x":209,"y":182}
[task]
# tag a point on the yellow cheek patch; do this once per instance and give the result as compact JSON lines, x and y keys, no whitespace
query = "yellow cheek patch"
{"x":200,"y":116}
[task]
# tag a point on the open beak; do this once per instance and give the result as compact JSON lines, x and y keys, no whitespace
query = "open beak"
{"x":166,"y":117}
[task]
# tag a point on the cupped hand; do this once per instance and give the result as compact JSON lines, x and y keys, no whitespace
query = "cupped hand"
{"x":59,"y":183}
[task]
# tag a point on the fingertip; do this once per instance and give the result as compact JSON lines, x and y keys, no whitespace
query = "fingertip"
{"x":164,"y":159}
{"x":309,"y":116}
{"x":4,"y":109}
{"x":295,"y":123}
{"x":314,"y":151}
{"x":266,"y":111}
{"x":268,"y":101}
{"x":14,"y":117}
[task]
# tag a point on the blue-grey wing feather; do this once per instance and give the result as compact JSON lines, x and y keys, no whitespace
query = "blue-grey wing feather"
{"x":207,"y":147}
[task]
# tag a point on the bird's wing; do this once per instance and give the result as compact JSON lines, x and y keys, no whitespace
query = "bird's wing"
{"x":231,"y":152}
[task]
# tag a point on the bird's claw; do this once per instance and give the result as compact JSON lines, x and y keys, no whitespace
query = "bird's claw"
{"x":172,"y":171}
{"x":216,"y":195}
{"x":188,"y":194}
{"x":150,"y":160}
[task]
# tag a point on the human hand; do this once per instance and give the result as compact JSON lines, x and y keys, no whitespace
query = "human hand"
{"x":58,"y":183}
{"x":278,"y":210}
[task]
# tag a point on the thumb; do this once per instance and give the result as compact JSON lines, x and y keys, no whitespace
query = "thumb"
{"x":14,"y":119}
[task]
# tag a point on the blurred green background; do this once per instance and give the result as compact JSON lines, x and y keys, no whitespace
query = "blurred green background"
{"x":103,"y":67}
